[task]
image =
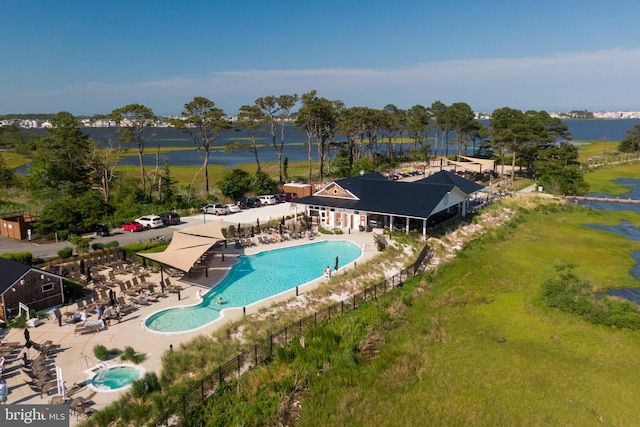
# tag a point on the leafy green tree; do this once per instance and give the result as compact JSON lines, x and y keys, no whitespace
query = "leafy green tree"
{"x":129,"y":199}
{"x":559,"y":170}
{"x":250,"y":117}
{"x":7,"y":175}
{"x":132,"y":119}
{"x":261,"y":183}
{"x":319,"y":119}
{"x":341,"y":166}
{"x":77,"y":214}
{"x":82,"y":243}
{"x":286,"y":103}
{"x":60,"y":165}
{"x":204,"y":122}
{"x":418,"y":127}
{"x":463,"y":122}
{"x":20,"y":141}
{"x":631,"y":143}
{"x":394,"y":124}
{"x":437,"y":113}
{"x":507,"y":125}
{"x":167,"y":194}
{"x":235,"y":183}
{"x":276,"y":112}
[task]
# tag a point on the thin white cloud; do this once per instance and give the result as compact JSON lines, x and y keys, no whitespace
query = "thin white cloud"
{"x":604,"y":79}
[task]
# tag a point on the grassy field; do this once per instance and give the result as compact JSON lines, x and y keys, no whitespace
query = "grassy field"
{"x":479,"y":347}
{"x":601,"y":180}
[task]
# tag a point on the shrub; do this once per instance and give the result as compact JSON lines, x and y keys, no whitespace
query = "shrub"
{"x":131,"y":355}
{"x":145,"y":385}
{"x":571,"y":294}
{"x":112,"y":244}
{"x":21,"y":257}
{"x":65,"y":252}
{"x":97,"y":246}
{"x":100,"y":352}
{"x":63,"y":234}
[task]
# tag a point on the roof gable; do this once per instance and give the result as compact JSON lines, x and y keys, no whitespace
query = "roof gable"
{"x":336,"y":191}
{"x":12,"y":271}
{"x":446,"y":177}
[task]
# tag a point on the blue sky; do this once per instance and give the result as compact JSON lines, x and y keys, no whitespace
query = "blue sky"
{"x":89,"y":57}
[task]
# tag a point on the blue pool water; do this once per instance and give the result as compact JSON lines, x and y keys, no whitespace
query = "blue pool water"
{"x":255,"y":278}
{"x":115,"y":378}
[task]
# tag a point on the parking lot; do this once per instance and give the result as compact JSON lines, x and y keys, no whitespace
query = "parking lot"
{"x":246,"y":218}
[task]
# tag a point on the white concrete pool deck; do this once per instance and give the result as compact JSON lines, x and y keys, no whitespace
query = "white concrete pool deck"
{"x":74,"y":349}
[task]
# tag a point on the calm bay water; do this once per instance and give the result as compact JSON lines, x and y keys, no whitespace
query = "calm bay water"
{"x":294,"y":150}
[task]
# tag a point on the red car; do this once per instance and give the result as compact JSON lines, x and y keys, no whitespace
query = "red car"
{"x":132,"y":226}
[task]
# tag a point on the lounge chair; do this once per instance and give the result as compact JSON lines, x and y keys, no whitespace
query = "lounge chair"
{"x":89,"y":327}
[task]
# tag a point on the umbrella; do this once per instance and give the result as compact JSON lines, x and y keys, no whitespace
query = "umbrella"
{"x":253,"y":232}
{"x":336,"y":264}
{"x":81,"y":266}
{"x":282,"y":221}
{"x":258,"y":223}
{"x":88,"y":274}
{"x":238,"y":228}
{"x":280,"y":228}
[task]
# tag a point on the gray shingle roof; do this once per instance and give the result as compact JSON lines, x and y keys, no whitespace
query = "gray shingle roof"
{"x":446,"y":177}
{"x":10,"y":273}
{"x":379,"y":195}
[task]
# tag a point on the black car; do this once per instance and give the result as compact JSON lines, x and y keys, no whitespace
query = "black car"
{"x":102,"y":229}
{"x":280,"y":197}
{"x":246,"y":203}
{"x":170,"y":218}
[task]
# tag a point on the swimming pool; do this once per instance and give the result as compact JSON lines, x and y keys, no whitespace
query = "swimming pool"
{"x":114,"y":378}
{"x":255,"y":278}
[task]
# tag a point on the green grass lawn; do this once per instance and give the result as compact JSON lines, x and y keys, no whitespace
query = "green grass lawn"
{"x":479,"y":347}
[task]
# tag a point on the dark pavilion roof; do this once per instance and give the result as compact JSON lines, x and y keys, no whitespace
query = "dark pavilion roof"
{"x":446,"y":177}
{"x":12,"y":271}
{"x":377,"y":194}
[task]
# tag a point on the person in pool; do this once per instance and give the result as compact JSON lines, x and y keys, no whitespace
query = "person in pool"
{"x":220,"y":301}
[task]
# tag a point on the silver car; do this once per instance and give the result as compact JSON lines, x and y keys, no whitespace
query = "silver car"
{"x":215,"y":208}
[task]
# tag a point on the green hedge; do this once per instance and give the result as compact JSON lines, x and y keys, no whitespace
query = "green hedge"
{"x":25,"y":258}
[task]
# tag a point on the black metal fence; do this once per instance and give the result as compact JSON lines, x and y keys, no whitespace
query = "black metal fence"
{"x":263,"y":352}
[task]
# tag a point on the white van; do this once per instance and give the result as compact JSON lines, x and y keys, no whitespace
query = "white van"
{"x":267,"y":199}
{"x":151,"y":221}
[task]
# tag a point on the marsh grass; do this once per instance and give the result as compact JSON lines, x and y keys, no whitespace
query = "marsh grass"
{"x":481,"y":349}
{"x":601,"y":180}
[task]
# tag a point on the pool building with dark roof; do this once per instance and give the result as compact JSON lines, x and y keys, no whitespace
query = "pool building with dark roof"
{"x":354,"y":203}
{"x":21,"y":284}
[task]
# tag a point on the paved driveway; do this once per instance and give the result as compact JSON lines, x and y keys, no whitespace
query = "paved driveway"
{"x":247,"y":218}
